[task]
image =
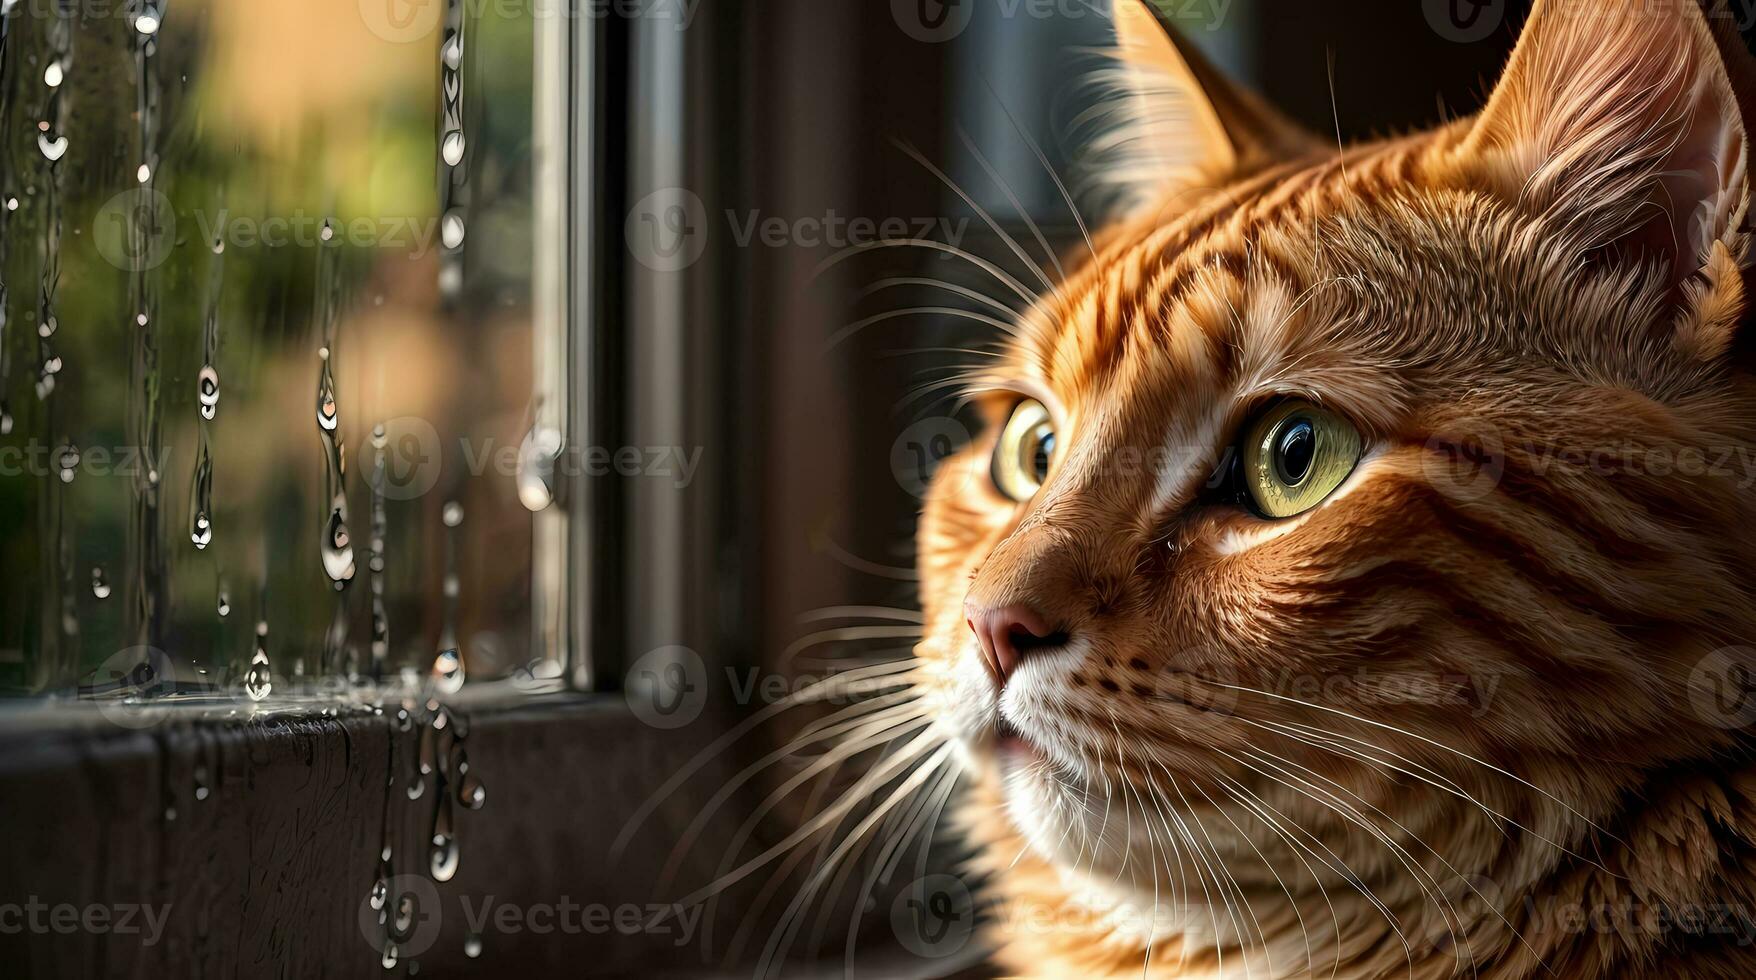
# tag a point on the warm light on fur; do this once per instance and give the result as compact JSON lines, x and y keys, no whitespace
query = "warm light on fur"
{"x":1404,"y":733}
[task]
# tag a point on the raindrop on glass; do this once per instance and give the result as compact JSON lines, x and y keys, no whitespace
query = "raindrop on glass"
{"x":54,"y":74}
{"x":451,"y":149}
{"x":380,"y":893}
{"x":448,"y":672}
{"x":472,"y":946}
{"x":536,"y":468}
{"x":452,"y":515}
{"x":389,"y":959}
{"x":100,"y":586}
{"x":259,"y":682}
{"x":144,"y":174}
{"x":443,"y":859}
{"x":471,"y":793}
{"x":451,"y":230}
{"x":52,"y":149}
{"x":147,"y":23}
{"x":208,"y":392}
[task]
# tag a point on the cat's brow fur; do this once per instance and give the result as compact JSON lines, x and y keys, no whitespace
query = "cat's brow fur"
{"x":1526,"y":314}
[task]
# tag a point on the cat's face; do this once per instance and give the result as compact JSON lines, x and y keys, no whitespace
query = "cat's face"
{"x":1380,"y":481}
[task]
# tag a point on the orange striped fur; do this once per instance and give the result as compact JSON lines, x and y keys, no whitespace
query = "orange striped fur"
{"x":1425,"y":728}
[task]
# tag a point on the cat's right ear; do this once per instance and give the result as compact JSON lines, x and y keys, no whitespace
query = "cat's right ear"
{"x":1185,"y":122}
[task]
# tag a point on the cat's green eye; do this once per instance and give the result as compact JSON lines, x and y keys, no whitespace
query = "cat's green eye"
{"x":1025,"y":451}
{"x":1295,"y":455}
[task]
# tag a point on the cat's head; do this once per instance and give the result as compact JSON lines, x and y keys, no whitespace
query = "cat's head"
{"x":1413,"y":476}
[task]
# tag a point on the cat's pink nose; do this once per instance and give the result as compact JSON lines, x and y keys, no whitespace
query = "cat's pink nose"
{"x":1009,"y":634}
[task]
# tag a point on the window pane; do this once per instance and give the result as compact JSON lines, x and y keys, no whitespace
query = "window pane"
{"x":268,"y":339}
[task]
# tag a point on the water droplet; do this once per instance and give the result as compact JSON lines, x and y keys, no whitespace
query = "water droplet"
{"x":451,"y":230}
{"x":380,"y":893}
{"x":452,"y":515}
{"x":219,"y":246}
{"x":448,"y":673}
{"x":451,"y":279}
{"x":389,"y":960}
{"x":5,"y":420}
{"x":225,"y":606}
{"x":453,"y":52}
{"x":100,"y":587}
{"x":417,"y":788}
{"x":472,"y":946}
{"x":53,"y":149}
{"x":148,"y":22}
{"x":338,"y":548}
{"x":68,"y":463}
{"x":201,"y":497}
{"x":207,"y":392}
{"x":328,"y":231}
{"x":451,"y":149}
{"x":140,"y":320}
{"x":443,"y":859}
{"x":536,"y":468}
{"x":144,"y":174}
{"x":54,"y":74}
{"x":170,"y":813}
{"x":471,"y":793}
{"x":259,"y":682}
{"x":12,"y":204}
{"x":201,"y":782}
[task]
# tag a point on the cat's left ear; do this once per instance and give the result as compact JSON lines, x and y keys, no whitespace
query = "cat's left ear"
{"x":1619,"y":122}
{"x":1187,"y":123}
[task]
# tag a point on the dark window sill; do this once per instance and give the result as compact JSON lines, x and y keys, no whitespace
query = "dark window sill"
{"x":267,"y":875}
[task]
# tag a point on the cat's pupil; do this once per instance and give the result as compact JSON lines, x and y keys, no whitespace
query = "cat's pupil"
{"x":1045,"y":452}
{"x":1295,"y":447}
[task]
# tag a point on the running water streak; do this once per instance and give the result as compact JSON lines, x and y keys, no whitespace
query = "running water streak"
{"x":149,"y":569}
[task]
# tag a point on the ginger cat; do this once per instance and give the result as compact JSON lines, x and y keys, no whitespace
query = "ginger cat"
{"x":1355,"y":577}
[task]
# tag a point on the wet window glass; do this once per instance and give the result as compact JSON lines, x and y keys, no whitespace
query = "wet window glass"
{"x":269,"y":356}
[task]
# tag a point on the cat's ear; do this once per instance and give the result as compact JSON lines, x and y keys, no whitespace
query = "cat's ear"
{"x":1618,"y":119}
{"x":1185,"y":122}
